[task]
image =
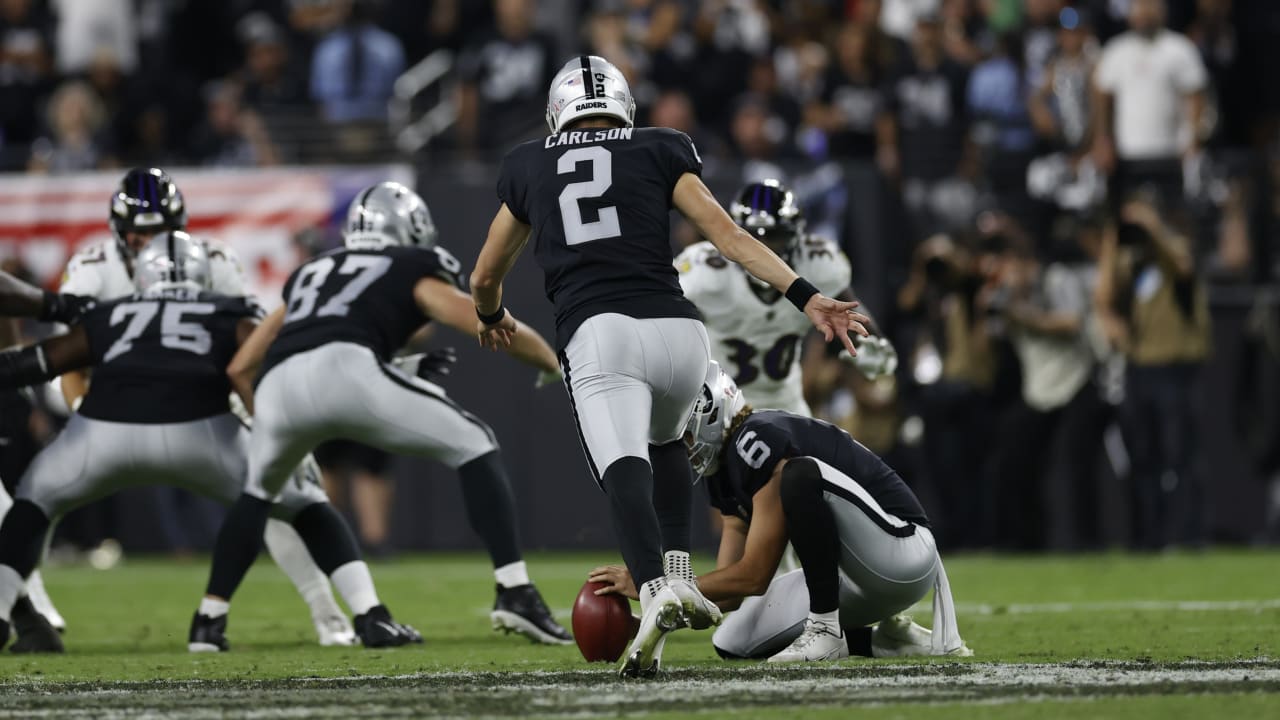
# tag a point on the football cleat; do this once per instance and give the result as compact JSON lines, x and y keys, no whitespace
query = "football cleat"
{"x":521,"y":609}
{"x":898,"y":636}
{"x":40,"y":599}
{"x":334,"y":630}
{"x":208,"y":634}
{"x":661,"y":614}
{"x":376,"y":629}
{"x":4,"y":632}
{"x":35,"y":633}
{"x":699,"y":612}
{"x":819,"y":641}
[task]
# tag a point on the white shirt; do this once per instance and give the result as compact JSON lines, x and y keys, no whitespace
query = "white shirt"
{"x":1149,"y":81}
{"x":1054,"y":368}
{"x":758,"y":343}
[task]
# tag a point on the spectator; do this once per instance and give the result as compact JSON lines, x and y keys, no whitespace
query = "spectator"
{"x":1039,"y":36}
{"x":852,"y":99}
{"x":355,"y":479}
{"x":355,"y":66}
{"x":88,"y":27}
{"x":759,"y":138}
{"x":887,"y":52}
{"x":505,"y":75}
{"x":1219,"y":45}
{"x":1059,"y":105}
{"x":25,"y":65}
{"x":77,"y":136}
{"x":997,"y":100}
{"x":270,"y":81}
{"x":1149,"y":105}
{"x":231,"y":135}
{"x":965,"y":30}
{"x":1154,"y":309}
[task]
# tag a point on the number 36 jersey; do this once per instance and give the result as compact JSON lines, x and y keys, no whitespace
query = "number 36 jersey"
{"x":363,"y":297}
{"x":599,"y":202}
{"x":162,"y":357}
{"x":756,"y":335}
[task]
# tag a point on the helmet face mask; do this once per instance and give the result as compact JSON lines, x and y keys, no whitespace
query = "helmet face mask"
{"x":386,"y":215}
{"x":172,"y":260}
{"x":768,"y":211}
{"x":146,"y":202}
{"x":589,"y":86}
{"x":719,"y":401}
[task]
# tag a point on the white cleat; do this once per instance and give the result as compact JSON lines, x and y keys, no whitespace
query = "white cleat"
{"x":818,"y":642}
{"x":661,"y":614}
{"x":335,"y":630}
{"x":43,"y":605}
{"x":699,"y":612}
{"x":899,"y":636}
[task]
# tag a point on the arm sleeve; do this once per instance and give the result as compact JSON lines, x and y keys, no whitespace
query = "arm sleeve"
{"x":1189,"y":74}
{"x":81,"y":278}
{"x":1104,"y":76}
{"x":512,"y":189}
{"x":682,"y":158}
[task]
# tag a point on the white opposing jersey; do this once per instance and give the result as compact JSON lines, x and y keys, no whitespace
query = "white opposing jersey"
{"x":755,"y":332}
{"x":100,"y":271}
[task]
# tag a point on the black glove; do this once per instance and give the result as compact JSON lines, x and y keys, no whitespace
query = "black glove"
{"x":428,"y":366}
{"x":67,"y":309}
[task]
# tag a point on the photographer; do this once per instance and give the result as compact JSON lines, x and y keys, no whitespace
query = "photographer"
{"x":1153,"y":308}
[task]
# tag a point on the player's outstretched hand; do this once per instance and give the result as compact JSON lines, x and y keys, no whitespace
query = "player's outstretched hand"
{"x":834,"y":318}
{"x":617,"y":580}
{"x":497,"y":336}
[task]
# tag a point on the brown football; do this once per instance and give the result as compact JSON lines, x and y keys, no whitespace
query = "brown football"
{"x":602,"y":624}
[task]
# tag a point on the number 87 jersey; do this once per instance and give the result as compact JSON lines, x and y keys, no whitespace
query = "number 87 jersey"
{"x":755,"y":334}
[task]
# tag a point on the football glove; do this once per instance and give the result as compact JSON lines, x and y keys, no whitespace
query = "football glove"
{"x":65,"y":309}
{"x":428,"y":366}
{"x":876,"y":357}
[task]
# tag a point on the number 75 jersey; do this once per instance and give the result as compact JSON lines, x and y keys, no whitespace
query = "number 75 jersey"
{"x":756,"y":335}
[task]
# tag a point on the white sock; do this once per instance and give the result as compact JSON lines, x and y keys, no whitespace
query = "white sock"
{"x":11,"y":586}
{"x":210,"y":607}
{"x":355,"y":585}
{"x":291,"y":555}
{"x":830,"y":619}
{"x":512,"y":574}
{"x":649,"y":590}
{"x":677,"y":564}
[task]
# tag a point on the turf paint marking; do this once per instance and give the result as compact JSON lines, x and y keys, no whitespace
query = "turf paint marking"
{"x":1120,"y":606}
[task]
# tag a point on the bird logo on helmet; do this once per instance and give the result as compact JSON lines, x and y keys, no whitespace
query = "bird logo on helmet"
{"x":147,"y":201}
{"x":589,"y":86}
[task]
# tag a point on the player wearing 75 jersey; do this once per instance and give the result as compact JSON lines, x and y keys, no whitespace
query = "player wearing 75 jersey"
{"x":754,"y":337}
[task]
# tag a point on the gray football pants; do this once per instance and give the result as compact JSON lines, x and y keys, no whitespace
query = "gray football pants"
{"x":342,"y":390}
{"x":886,"y":566}
{"x":632,"y":382}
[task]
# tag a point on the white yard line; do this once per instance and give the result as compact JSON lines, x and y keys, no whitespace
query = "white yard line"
{"x":1118,"y":606}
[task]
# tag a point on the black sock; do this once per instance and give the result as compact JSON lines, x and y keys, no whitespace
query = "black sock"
{"x":629,"y":484}
{"x":327,"y":536}
{"x":237,"y":546}
{"x":491,"y":507}
{"x":859,"y":640}
{"x":812,"y":530}
{"x":22,"y":537}
{"x":672,"y":493}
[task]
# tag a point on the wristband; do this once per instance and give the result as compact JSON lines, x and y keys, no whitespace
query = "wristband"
{"x":498,"y":314}
{"x":800,"y":292}
{"x":48,"y":306}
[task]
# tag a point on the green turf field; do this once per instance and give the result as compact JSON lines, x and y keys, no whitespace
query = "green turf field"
{"x":1092,"y":636}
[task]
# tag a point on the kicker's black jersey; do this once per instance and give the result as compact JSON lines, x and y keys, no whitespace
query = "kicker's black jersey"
{"x":162,"y":358}
{"x":766,"y":437}
{"x":358,"y":296}
{"x":599,"y":203}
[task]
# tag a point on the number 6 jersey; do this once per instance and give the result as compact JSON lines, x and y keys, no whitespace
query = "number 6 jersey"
{"x":599,"y":203}
{"x":755,"y":333}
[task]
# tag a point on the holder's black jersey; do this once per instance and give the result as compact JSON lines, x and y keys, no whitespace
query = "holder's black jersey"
{"x":358,"y":296}
{"x":752,"y":453}
{"x":162,"y":357}
{"x":599,"y":203}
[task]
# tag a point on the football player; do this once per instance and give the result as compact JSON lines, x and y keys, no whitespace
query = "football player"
{"x":345,"y":313}
{"x":147,"y":202}
{"x":595,"y":196}
{"x":754,"y":339}
{"x":157,"y":412}
{"x":861,"y":535}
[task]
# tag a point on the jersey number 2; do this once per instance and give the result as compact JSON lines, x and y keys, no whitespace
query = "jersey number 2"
{"x":365,"y":269}
{"x":576,"y":231}
{"x":175,"y":333}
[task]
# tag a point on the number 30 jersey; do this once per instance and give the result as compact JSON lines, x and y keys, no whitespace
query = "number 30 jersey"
{"x":162,"y":357}
{"x":599,"y":203}
{"x":358,"y":296}
{"x":756,"y":335}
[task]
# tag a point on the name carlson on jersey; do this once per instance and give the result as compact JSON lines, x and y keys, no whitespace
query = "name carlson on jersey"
{"x":583,"y":136}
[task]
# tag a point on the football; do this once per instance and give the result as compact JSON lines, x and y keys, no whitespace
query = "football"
{"x":602,"y":624}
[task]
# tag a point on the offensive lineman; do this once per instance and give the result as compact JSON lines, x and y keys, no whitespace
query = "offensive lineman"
{"x":158,"y":411}
{"x":595,"y":196}
{"x":345,"y":313}
{"x":148,"y":202}
{"x":861,"y":535}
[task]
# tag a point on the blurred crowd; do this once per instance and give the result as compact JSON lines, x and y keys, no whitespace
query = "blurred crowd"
{"x":1041,"y":198}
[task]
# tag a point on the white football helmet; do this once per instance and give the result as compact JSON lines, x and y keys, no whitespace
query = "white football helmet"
{"x":172,"y":259}
{"x":589,"y":86}
{"x":388,"y":214}
{"x":718,"y":403}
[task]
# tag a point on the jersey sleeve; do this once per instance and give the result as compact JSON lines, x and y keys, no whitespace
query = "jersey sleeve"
{"x":1189,"y":74}
{"x":757,"y":449}
{"x":1106,"y":74}
{"x":682,"y":157}
{"x":226,"y":272}
{"x":440,"y":263}
{"x":513,"y":189}
{"x":83,"y":275}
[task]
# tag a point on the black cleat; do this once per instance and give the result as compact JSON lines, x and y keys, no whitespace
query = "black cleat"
{"x":521,"y":609}
{"x":207,"y":634}
{"x":4,"y":633}
{"x":376,"y":629}
{"x":35,"y":634}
